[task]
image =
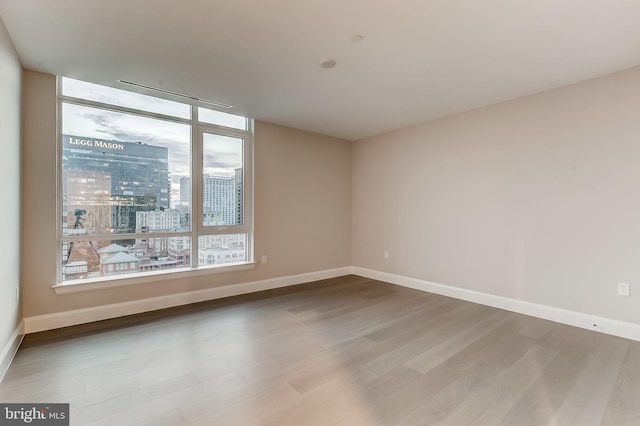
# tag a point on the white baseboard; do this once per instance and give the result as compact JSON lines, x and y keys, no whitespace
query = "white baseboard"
{"x":577,"y":319}
{"x":10,"y":349}
{"x":81,"y":316}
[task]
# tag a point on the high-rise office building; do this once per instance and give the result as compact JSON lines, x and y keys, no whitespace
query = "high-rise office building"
{"x":185,"y":191}
{"x":107,"y":182}
{"x":218,"y":197}
{"x":222,"y":198}
{"x":238,"y":180}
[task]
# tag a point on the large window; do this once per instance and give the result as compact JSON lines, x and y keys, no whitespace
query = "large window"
{"x":134,"y":199}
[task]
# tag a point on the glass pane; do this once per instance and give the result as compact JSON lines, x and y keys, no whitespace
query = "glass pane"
{"x":121,"y":173}
{"x":222,"y":118}
{"x":222,"y":182}
{"x":104,"y":258}
{"x":221,"y":249}
{"x":109,"y":95}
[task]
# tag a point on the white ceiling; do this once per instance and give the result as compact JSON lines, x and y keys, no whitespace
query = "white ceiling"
{"x":419,"y":60}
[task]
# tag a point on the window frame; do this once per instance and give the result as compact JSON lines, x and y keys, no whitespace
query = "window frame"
{"x":197,"y":186}
{"x":198,"y":129}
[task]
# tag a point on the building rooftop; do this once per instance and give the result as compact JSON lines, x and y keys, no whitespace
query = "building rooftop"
{"x":112,"y":248}
{"x":119,"y":258}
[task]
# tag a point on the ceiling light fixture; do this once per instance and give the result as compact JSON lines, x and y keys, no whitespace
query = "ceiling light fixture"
{"x":328,"y":63}
{"x":169,"y":92}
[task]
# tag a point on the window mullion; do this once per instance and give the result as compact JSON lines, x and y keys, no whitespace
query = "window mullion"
{"x":196,"y":180}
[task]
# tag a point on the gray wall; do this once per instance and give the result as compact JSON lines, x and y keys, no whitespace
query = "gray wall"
{"x":10,"y":89}
{"x":536,"y":199}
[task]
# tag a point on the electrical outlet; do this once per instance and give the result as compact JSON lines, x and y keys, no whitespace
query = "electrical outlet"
{"x":17,"y":294}
{"x":623,"y":289}
{"x":386,"y":254}
{"x":264,"y":258}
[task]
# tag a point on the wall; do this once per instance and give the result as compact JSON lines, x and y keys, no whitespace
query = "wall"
{"x":302,"y":210}
{"x":536,"y":199}
{"x":10,"y":89}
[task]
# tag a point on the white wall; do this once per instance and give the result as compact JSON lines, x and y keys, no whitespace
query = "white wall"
{"x":536,"y":199}
{"x":10,"y":90}
{"x":302,"y":210}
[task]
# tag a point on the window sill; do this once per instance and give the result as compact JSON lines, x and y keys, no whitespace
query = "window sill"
{"x":93,"y":284}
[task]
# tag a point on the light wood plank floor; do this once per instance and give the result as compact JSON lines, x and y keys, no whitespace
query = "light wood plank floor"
{"x":346,"y":351}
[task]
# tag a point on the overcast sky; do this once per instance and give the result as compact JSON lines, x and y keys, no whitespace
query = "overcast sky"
{"x":222,"y":154}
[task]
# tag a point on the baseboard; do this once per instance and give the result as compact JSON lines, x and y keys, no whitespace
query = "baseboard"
{"x":577,"y":319}
{"x":82,"y":316}
{"x":10,"y":349}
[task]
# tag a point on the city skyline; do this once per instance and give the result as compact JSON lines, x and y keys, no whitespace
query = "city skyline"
{"x":115,"y":126}
{"x":122,"y":172}
{"x":123,"y":186}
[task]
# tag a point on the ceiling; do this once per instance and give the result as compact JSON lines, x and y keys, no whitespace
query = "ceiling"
{"x":418,"y":60}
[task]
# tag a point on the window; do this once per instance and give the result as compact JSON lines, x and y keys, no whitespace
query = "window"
{"x":128,"y":179}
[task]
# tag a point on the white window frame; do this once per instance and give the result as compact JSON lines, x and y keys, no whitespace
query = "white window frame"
{"x":247,"y":185}
{"x":196,"y":215}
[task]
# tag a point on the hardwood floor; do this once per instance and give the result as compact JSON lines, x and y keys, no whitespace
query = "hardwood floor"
{"x":346,"y":351}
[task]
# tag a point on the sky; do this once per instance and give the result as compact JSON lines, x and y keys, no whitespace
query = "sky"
{"x":222,"y":154}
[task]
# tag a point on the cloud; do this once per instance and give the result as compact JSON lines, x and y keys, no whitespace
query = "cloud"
{"x":115,"y":126}
{"x":222,"y":154}
{"x":222,"y":160}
